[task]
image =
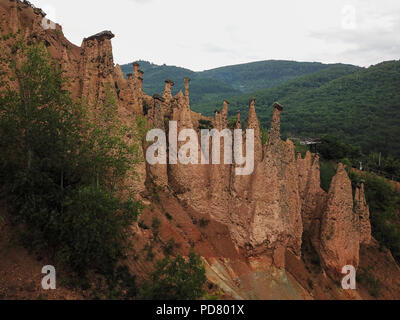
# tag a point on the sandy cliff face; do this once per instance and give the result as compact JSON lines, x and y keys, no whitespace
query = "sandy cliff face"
{"x":96,"y":66}
{"x":312,"y":196}
{"x":340,"y":227}
{"x":274,"y":198}
{"x":257,"y":220}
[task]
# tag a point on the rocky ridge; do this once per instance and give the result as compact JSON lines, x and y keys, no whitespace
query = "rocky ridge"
{"x":266,"y":215}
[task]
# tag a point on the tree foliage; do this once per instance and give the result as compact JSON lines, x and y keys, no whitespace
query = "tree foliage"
{"x":176,"y":279}
{"x":225,"y":82}
{"x":60,"y":165}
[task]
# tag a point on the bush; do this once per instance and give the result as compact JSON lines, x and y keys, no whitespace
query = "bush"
{"x":169,"y":248}
{"x":150,"y":254}
{"x":142,"y":225}
{"x":92,"y":232}
{"x":302,"y":149}
{"x":366,"y":276}
{"x":205,"y":124}
{"x":176,"y":279}
{"x":168,"y":216}
{"x":156,"y":224}
{"x":60,"y":166}
{"x":122,"y":284}
{"x":2,"y":222}
{"x":232,"y":123}
{"x":327,"y":171}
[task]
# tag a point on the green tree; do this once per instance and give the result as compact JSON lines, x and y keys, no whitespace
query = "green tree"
{"x":176,"y":279}
{"x":60,"y":163}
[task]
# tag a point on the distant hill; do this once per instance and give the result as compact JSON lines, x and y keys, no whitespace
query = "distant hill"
{"x":253,"y":76}
{"x":202,"y":89}
{"x":224,"y":82}
{"x":359,"y":105}
{"x":155,"y":76}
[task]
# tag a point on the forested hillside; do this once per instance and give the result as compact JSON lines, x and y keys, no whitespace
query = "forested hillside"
{"x":202,"y":90}
{"x":253,"y":76}
{"x":355,"y":104}
{"x":359,"y":107}
{"x":224,"y":82}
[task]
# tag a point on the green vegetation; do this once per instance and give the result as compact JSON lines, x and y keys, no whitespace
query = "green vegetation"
{"x":267,"y":96}
{"x":382,"y":198}
{"x":367,"y":277}
{"x":201,"y":89}
{"x":205,"y":125}
{"x":168,"y":216}
{"x":327,"y":172}
{"x":232,"y":123}
{"x":156,"y":224}
{"x":360,"y":106}
{"x":204,"y":223}
{"x":122,"y":285}
{"x":2,"y":222}
{"x":264,"y":136}
{"x":253,"y":76}
{"x":142,"y":225}
{"x":332,"y":148}
{"x":169,"y":247}
{"x":150,"y":254}
{"x":299,"y":148}
{"x":356,"y":105}
{"x":384,"y":202}
{"x":176,"y":279}
{"x":60,"y":167}
{"x":223,"y":83}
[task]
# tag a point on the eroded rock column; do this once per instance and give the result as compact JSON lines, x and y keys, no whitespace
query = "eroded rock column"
{"x":340,"y":238}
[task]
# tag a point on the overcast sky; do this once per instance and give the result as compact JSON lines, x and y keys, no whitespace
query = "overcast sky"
{"x":204,"y":34}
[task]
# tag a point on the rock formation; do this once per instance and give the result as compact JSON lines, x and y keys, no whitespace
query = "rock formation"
{"x":312,"y":196}
{"x":362,"y":209}
{"x":253,"y":123}
{"x":340,"y":226}
{"x":167,"y":92}
{"x":266,"y":213}
{"x":97,"y":66}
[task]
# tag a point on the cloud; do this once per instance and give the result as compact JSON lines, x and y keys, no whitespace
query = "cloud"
{"x":206,"y":34}
{"x":142,"y":1}
{"x":373,"y":37}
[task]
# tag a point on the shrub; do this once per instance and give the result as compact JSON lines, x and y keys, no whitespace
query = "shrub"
{"x":150,"y":254}
{"x":60,"y":166}
{"x":383,"y":201}
{"x":156,"y":224}
{"x":92,"y":231}
{"x":168,"y":216}
{"x":205,"y":124}
{"x":232,"y":123}
{"x":2,"y":222}
{"x":327,"y":171}
{"x":169,"y":248}
{"x":176,"y":279}
{"x":122,"y":284}
{"x":142,"y":225}
{"x":373,"y":284}
{"x":204,"y":223}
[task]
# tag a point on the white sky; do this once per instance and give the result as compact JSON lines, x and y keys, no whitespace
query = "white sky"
{"x":204,"y":34}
